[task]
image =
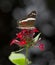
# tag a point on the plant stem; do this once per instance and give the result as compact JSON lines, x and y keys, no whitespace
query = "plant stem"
{"x":26,"y":61}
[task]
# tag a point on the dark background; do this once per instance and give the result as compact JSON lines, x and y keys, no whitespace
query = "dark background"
{"x":13,"y":10}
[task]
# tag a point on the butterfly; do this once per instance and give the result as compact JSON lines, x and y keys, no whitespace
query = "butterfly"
{"x":27,"y":22}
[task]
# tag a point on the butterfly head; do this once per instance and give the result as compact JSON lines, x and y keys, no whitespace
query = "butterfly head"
{"x":32,"y":14}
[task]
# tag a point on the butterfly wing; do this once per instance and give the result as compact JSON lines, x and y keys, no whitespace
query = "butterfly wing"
{"x":28,"y":22}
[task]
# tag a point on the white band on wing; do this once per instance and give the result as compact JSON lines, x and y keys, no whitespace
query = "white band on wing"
{"x":26,"y":27}
{"x":27,"y":20}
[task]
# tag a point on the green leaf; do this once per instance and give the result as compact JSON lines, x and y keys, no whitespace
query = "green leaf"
{"x":17,"y":58}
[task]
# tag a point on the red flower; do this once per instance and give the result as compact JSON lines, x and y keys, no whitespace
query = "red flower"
{"x":19,"y":35}
{"x":23,"y":36}
{"x":22,"y":43}
{"x":25,"y":31}
{"x":41,"y":46}
{"x":14,"y":41}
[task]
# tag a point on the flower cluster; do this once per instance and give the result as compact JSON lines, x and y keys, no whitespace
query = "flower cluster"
{"x":41,"y":46}
{"x":25,"y":36}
